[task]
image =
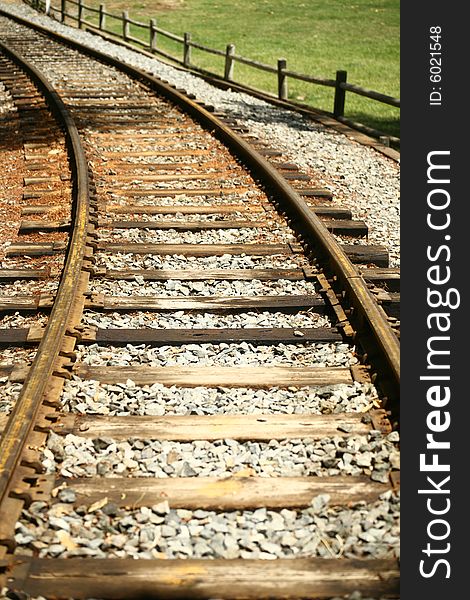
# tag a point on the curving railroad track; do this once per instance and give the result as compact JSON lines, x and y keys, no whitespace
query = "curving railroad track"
{"x":193,"y":403}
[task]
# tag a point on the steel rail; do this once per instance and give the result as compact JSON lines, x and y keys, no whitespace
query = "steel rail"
{"x":367,"y":315}
{"x":21,"y":420}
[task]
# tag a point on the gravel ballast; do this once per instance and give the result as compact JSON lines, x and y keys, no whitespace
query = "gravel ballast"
{"x":9,"y":393}
{"x":176,"y":287}
{"x":243,"y":354}
{"x":15,"y":355}
{"x":18,"y":320}
{"x":363,"y":531}
{"x":178,"y":261}
{"x":91,"y":397}
{"x":223,"y":198}
{"x":73,"y":456}
{"x":26,"y":288}
{"x":201,"y":218}
{"x":189,"y":320}
{"x":244,"y":235}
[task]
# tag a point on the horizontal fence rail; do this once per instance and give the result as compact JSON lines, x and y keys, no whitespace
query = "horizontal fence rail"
{"x":152,"y":33}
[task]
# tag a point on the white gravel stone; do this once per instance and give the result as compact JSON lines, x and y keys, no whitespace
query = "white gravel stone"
{"x":19,"y":320}
{"x":243,"y":354}
{"x":8,"y":394}
{"x":244,"y":235}
{"x":177,"y":261}
{"x":190,"y":320}
{"x":75,"y":456}
{"x":14,"y":355}
{"x":6,"y":101}
{"x":26,"y":288}
{"x":332,"y":532}
{"x":228,"y":183}
{"x":176,"y":287}
{"x":33,"y":262}
{"x":201,"y":218}
{"x":91,"y":397}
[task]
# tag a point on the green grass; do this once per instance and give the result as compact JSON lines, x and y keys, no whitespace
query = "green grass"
{"x":316,"y":37}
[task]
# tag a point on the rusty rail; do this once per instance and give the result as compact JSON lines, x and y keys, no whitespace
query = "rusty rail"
{"x":22,"y":418}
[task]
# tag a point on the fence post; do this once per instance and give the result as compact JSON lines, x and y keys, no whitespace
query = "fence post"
{"x":187,"y":50}
{"x":281,"y":79}
{"x":228,"y":71}
{"x":102,"y":18}
{"x":80,"y":12}
{"x":153,"y":35}
{"x":385,"y":140}
{"x":125,"y":24}
{"x":340,"y":94}
{"x":63,"y":10}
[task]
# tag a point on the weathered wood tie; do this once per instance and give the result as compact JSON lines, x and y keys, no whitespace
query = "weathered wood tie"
{"x":35,"y":249}
{"x":331,"y":212}
{"x":314,"y":193}
{"x":12,"y":274}
{"x":170,"y":193}
{"x":163,"y":209}
{"x":210,"y":336}
{"x":205,"y":275}
{"x":356,"y":252}
{"x":388,"y":277}
{"x":91,"y":335}
{"x":212,"y":303}
{"x":185,"y":225}
{"x":156,"y":153}
{"x":200,"y":249}
{"x":257,"y":427}
{"x":390,"y":302}
{"x":212,"y":493}
{"x":206,"y":303}
{"x":295,"y":579}
{"x":256,"y":377}
{"x":31,"y":226}
{"x":26,"y":303}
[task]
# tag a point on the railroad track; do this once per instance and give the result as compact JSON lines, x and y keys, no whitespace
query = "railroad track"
{"x":201,"y":396}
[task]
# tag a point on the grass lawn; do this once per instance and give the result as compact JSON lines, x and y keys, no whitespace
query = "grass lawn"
{"x":316,"y":37}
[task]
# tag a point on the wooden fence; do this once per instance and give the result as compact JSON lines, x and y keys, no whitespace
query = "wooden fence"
{"x":149,"y":41}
